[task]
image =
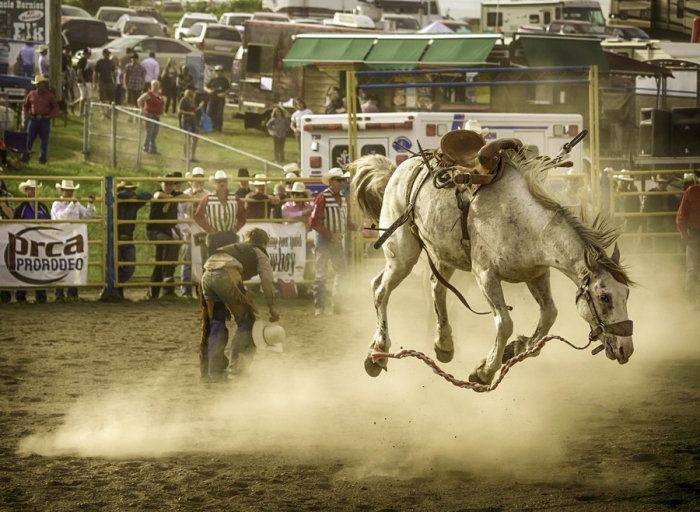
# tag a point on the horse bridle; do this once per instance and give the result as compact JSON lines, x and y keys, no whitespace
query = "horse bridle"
{"x":623,"y":328}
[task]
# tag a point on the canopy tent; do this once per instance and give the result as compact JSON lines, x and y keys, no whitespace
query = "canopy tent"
{"x":435,"y":28}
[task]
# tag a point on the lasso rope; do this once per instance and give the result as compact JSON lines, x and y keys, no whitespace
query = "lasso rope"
{"x":479,"y":388}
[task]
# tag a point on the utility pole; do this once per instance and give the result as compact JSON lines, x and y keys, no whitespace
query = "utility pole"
{"x":55,"y":44}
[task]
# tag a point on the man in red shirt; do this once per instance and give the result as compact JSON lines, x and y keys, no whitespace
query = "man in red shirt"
{"x":152,"y":103}
{"x":39,"y":107}
{"x":330,"y":218}
{"x":688,"y":222}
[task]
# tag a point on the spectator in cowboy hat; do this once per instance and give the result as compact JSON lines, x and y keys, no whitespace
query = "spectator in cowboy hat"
{"x":126,"y":251}
{"x":44,"y":60}
{"x":297,"y":209}
{"x":223,"y":293}
{"x":184,"y":211}
{"x":220,"y":213}
{"x":330,"y":218}
{"x":39,"y":107}
{"x":69,"y":208}
{"x":218,"y":87}
{"x":30,"y":210}
{"x":257,"y":206}
{"x":243,"y":186}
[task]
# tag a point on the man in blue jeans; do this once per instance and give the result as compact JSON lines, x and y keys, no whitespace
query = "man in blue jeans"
{"x":39,"y":107}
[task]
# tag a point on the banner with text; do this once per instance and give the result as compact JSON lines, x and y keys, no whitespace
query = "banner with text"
{"x":286,"y":248}
{"x":43,"y":254}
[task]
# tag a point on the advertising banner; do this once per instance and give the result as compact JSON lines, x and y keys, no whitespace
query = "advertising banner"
{"x":43,"y":254}
{"x":286,"y":248}
{"x":21,"y":21}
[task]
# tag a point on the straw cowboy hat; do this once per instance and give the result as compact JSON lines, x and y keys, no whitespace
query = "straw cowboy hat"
{"x":291,"y":176}
{"x":67,"y":185}
{"x":475,"y":126}
{"x":197,"y":172}
{"x":293,"y":167}
{"x":259,"y":179}
{"x":336,"y":172}
{"x":661,"y":179}
{"x":39,"y":79}
{"x":28,"y":184}
{"x":299,"y":187}
{"x":623,"y":177}
{"x":129,"y":185}
{"x":219,"y":175}
{"x":268,"y":336}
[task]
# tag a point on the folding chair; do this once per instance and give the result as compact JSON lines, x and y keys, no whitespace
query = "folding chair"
{"x":17,"y":148}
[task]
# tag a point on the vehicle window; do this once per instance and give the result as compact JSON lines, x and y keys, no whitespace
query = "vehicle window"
{"x":223,"y":34}
{"x":153,"y":14}
{"x":195,"y":30}
{"x":260,"y":59}
{"x":373,"y":149}
{"x":568,"y":29}
{"x":547,"y":18}
{"x":110,"y":16}
{"x":494,"y":21}
{"x":165,"y":46}
{"x":409,"y":24}
{"x":148,"y":29}
{"x":237,"y":20}
{"x":122,"y":42}
{"x":534,"y":19}
{"x":150,"y":45}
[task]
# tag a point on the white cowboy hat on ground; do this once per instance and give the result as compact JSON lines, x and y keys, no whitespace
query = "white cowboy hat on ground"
{"x":39,"y":79}
{"x":259,"y":179}
{"x":67,"y":185}
{"x":219,"y":175}
{"x":268,"y":336}
{"x":299,"y":187}
{"x":336,"y":172}
{"x":197,"y":171}
{"x":28,"y":183}
{"x":475,"y":126}
{"x":293,"y":167}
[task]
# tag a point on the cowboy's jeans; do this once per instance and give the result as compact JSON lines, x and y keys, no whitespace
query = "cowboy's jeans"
{"x":326,"y":251}
{"x":216,"y":346}
{"x":149,"y":145}
{"x":692,"y":267}
{"x":41,"y":128}
{"x":126,"y":254}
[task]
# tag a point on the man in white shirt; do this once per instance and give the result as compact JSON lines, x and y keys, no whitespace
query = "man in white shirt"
{"x":69,"y":208}
{"x":150,"y":64}
{"x":184,"y":211}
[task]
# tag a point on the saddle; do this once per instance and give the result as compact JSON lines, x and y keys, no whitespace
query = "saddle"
{"x":459,"y":151}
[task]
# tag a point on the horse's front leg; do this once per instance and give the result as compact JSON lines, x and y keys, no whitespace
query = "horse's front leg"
{"x":444,"y":344}
{"x":490,"y":286}
{"x":398,"y":266}
{"x":541,"y":290}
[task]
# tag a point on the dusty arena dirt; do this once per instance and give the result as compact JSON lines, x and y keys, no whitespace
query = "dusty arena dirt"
{"x":102,"y":409}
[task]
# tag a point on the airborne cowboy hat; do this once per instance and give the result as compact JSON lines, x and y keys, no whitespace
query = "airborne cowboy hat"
{"x":67,"y":185}
{"x":336,"y":172}
{"x":219,"y":175}
{"x":268,"y":336}
{"x":28,"y":184}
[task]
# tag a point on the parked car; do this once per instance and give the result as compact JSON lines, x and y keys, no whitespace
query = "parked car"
{"x":626,"y":32}
{"x":164,"y":48}
{"x":458,"y":26}
{"x":84,"y":33}
{"x":189,"y":19}
{"x":110,"y":15}
{"x":235,"y":19}
{"x":402,"y":23}
{"x":575,"y":27}
{"x":157,"y":16}
{"x":71,"y":11}
{"x":214,"y":39}
{"x":129,"y":25}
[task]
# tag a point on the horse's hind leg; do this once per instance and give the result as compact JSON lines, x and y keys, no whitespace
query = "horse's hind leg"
{"x":401,"y":253}
{"x":444,"y":344}
{"x":541,"y":290}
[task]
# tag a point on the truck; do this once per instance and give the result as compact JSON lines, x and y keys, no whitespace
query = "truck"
{"x":667,"y":19}
{"x":509,"y":17}
{"x":424,"y":11}
{"x":324,"y":139}
{"x":260,"y":80}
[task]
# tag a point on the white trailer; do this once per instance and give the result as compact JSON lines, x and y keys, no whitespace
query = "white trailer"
{"x":424,"y":11}
{"x":324,"y":141}
{"x":508,"y":17}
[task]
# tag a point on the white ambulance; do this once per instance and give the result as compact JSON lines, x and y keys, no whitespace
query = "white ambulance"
{"x":324,"y":140}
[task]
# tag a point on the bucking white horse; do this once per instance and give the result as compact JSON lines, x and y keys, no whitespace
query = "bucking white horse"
{"x":517,"y":234}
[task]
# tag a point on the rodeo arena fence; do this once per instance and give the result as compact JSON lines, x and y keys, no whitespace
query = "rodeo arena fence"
{"x":47,"y":254}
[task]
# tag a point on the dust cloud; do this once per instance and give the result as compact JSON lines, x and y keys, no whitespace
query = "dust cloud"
{"x":316,"y":401}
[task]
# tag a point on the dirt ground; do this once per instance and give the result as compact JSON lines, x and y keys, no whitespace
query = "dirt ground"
{"x":102,"y":409}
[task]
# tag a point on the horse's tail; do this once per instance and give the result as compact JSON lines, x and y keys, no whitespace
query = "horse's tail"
{"x":371,"y":175}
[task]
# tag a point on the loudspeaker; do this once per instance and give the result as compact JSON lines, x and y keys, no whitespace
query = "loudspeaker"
{"x":655,"y":132}
{"x":685,"y":131}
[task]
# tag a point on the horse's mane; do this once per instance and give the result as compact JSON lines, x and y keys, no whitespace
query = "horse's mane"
{"x":596,"y":237}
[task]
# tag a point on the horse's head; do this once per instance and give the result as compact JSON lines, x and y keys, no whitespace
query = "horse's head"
{"x":602,"y":302}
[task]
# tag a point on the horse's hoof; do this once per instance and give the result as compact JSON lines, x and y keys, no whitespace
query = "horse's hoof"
{"x":372,"y":369}
{"x":474,"y":377}
{"x":444,"y":356}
